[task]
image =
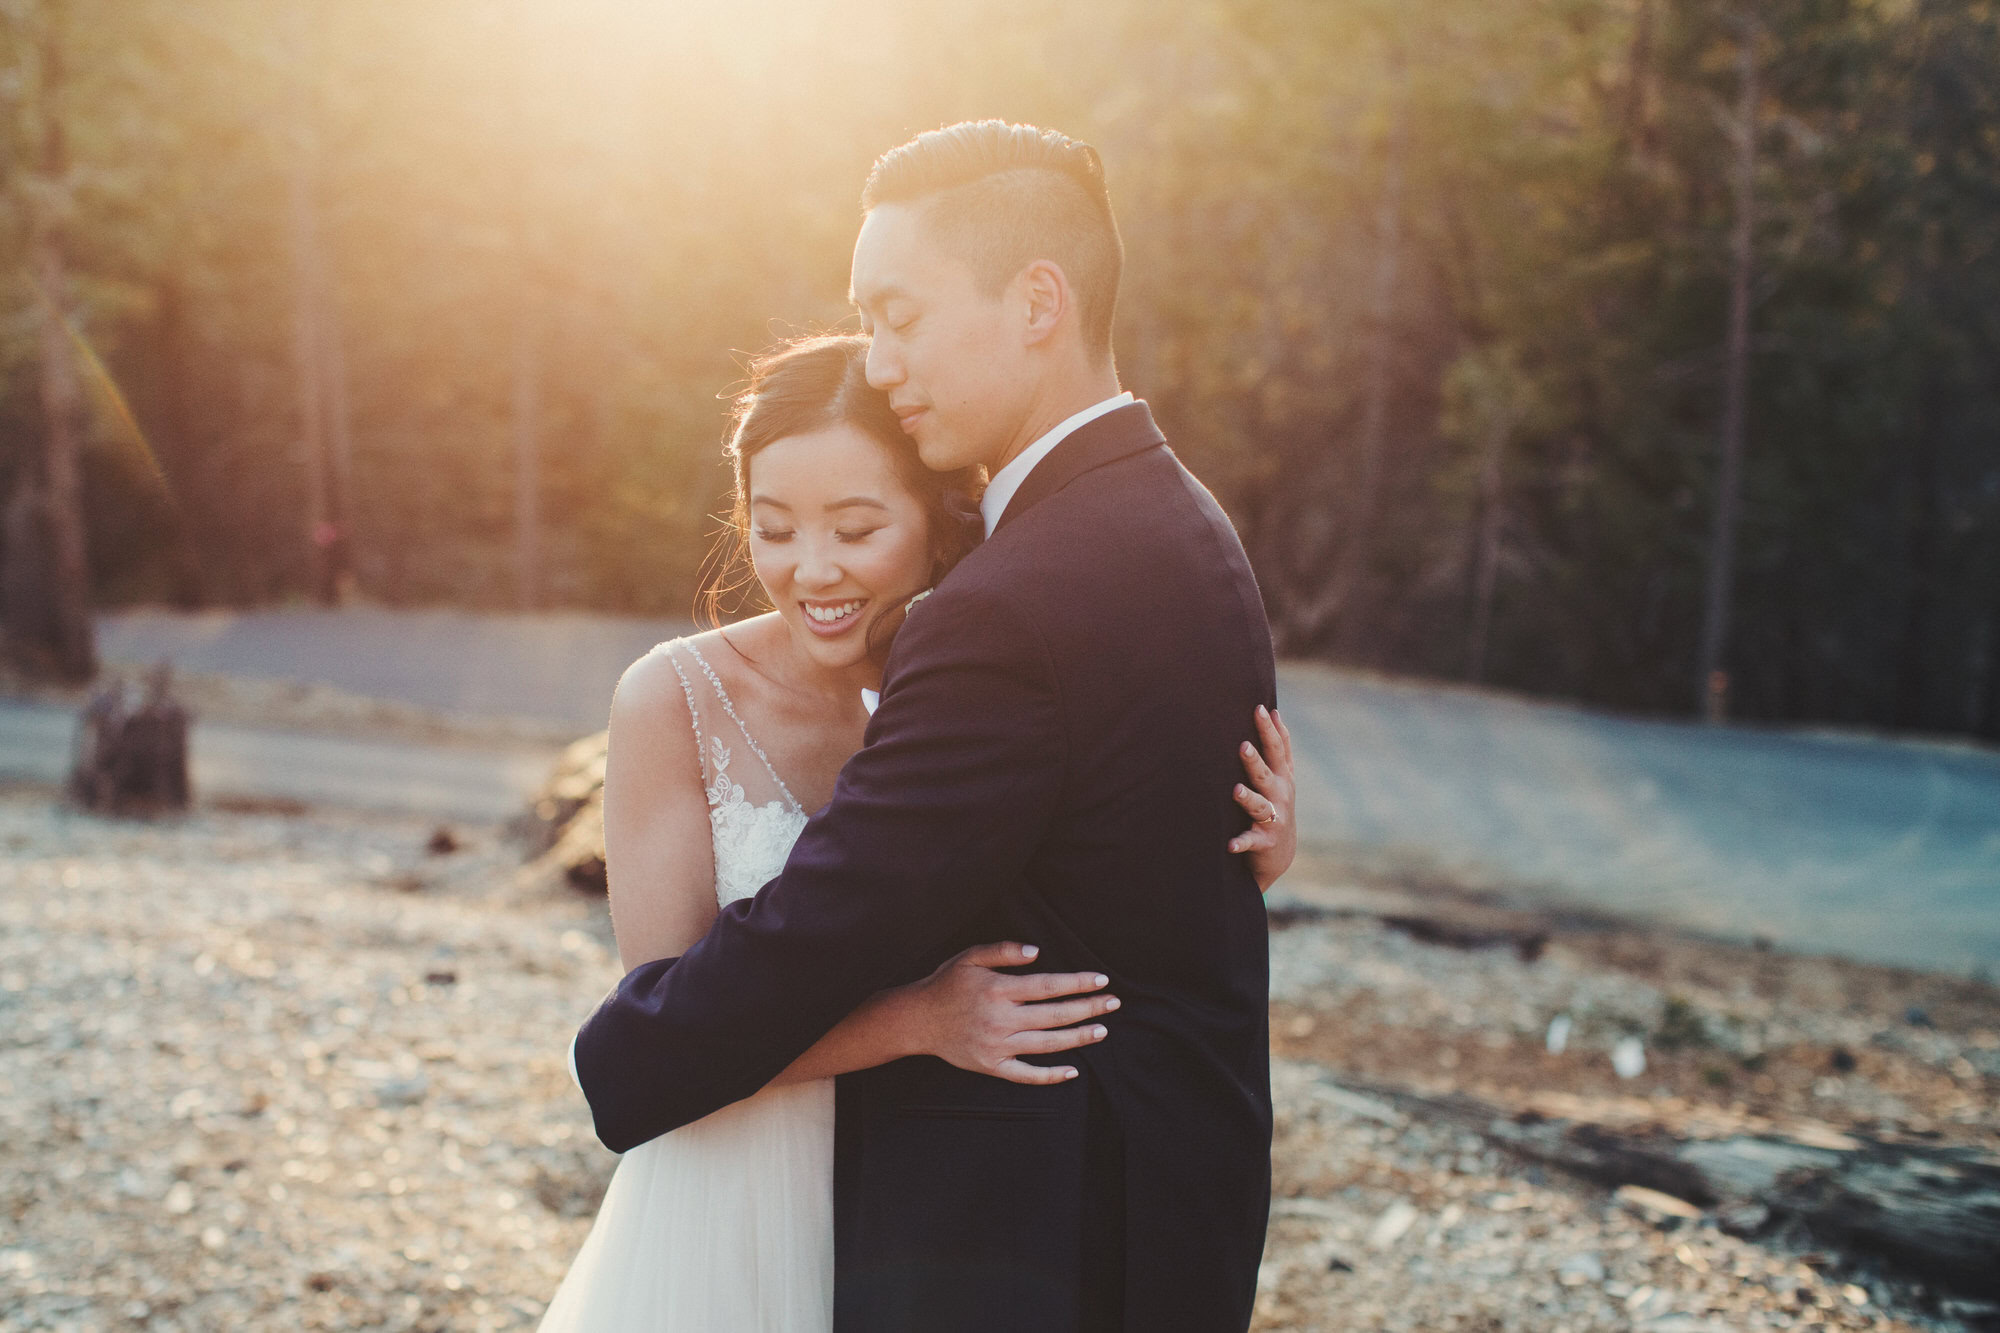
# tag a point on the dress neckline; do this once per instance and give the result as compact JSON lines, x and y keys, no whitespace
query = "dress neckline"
{"x":715,"y":683}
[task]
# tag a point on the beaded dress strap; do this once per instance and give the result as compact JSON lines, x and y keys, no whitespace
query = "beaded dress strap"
{"x":694,"y":710}
{"x":730,"y":709}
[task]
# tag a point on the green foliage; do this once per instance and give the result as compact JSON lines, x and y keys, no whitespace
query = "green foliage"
{"x":657,"y":189}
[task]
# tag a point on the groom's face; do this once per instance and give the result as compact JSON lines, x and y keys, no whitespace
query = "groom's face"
{"x":948,"y":351}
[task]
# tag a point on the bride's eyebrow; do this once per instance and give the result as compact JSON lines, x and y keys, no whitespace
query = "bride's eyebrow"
{"x":858,"y":502}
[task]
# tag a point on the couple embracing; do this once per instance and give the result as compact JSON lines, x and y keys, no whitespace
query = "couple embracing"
{"x":940,"y":884}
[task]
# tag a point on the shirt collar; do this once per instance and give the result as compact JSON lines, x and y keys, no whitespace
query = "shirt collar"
{"x":1008,"y":479}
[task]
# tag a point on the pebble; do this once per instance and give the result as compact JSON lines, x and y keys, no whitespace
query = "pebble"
{"x":1557,"y":1039}
{"x":1579,"y":1269}
{"x":1391,"y":1226}
{"x":1655,"y":1206}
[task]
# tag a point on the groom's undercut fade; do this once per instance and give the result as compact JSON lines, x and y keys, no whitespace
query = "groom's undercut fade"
{"x":1000,"y":196}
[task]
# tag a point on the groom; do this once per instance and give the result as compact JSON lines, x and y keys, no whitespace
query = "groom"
{"x":1051,"y":761}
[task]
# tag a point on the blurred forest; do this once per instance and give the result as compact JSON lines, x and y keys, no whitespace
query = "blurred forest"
{"x":1581,"y":347}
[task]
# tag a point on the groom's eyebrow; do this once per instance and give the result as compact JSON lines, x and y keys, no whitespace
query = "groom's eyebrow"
{"x":881,"y":296}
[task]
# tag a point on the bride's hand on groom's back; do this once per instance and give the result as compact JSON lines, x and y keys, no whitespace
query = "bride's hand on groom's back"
{"x":984,"y":1020}
{"x":1271,"y":800}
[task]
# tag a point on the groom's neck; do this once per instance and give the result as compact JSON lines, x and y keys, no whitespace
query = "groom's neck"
{"x":1057,"y":399}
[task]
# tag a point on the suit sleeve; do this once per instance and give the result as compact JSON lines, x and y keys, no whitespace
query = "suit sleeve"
{"x":937,"y":814}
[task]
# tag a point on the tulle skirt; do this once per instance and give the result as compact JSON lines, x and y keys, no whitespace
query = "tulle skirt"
{"x":724,"y":1225}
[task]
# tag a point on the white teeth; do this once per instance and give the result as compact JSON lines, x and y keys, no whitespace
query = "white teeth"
{"x":826,"y":615}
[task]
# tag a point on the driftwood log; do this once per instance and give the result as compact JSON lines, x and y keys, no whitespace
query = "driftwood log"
{"x":1930,"y":1210}
{"x":563,"y":826}
{"x":127,"y":759}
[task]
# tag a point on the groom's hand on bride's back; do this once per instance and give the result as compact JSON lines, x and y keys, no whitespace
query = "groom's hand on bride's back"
{"x":972,"y":1015}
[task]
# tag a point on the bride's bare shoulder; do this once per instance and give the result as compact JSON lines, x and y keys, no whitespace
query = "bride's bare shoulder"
{"x":656,"y":686}
{"x":652,"y":696}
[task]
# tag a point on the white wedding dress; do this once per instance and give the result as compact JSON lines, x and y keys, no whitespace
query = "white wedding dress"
{"x":724,"y":1225}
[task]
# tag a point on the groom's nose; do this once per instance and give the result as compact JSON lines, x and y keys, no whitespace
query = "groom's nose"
{"x":884,"y":367}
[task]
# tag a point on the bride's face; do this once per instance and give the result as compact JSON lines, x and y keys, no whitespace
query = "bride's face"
{"x":835,"y":537}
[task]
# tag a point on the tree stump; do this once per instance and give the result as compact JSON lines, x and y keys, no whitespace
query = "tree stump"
{"x":127,"y":760}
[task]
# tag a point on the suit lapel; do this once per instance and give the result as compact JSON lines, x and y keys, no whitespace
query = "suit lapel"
{"x":1117,"y":434}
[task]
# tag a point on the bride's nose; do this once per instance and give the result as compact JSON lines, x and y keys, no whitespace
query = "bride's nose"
{"x":818,"y":566}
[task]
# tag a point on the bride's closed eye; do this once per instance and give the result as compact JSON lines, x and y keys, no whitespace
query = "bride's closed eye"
{"x":854,"y":534}
{"x":774,"y":534}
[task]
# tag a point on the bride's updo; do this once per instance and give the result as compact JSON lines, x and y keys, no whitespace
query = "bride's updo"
{"x":807,"y":385}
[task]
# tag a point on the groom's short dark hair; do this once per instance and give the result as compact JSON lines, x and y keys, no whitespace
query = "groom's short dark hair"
{"x":1002,"y":196}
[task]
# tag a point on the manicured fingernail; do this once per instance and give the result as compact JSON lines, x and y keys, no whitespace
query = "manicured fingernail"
{"x":1030,"y":950}
{"x":1098,"y":1032}
{"x":1111,"y":1003}
{"x":1069,"y":1073}
{"x":1262,"y":711}
{"x":1248,"y":748}
{"x":1101,"y":980}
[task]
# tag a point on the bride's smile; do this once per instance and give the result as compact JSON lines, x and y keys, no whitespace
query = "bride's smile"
{"x":836,"y":537}
{"x":828,"y":620}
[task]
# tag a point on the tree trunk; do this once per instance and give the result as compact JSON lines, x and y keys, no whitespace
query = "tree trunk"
{"x":1486,"y":552}
{"x":340,"y":439}
{"x":527,"y":339}
{"x":1632,"y":128}
{"x":527,"y":458}
{"x":1918,"y":518}
{"x":1324,"y":612}
{"x":71,"y":649}
{"x":322,"y":532}
{"x":27,"y":581}
{"x":1711,"y":682}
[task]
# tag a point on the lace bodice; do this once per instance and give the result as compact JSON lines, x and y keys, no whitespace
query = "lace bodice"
{"x":753,"y":814}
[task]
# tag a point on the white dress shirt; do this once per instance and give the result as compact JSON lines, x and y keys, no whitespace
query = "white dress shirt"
{"x":1009,"y":478}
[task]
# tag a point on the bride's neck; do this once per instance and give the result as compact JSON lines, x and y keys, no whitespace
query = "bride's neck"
{"x":839,"y":686}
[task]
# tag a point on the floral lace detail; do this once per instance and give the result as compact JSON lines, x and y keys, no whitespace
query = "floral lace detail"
{"x":721,"y":789}
{"x":751,"y":844}
{"x":751,"y":840}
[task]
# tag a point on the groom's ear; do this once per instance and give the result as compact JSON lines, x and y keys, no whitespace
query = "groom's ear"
{"x":1045,"y":297}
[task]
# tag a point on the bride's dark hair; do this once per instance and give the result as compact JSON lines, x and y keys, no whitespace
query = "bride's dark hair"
{"x":806,"y":385}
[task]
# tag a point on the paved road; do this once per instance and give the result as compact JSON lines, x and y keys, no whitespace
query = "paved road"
{"x":560,"y":666}
{"x":1839,"y":843}
{"x":227,"y":760}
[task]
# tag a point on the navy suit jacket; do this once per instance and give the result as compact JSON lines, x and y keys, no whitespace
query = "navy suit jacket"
{"x":1051,"y":762}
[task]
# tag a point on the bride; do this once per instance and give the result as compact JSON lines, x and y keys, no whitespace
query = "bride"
{"x":720,"y":745}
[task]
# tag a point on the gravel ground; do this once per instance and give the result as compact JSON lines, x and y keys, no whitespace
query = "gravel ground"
{"x":1381,"y":1221}
{"x":280,"y":1071}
